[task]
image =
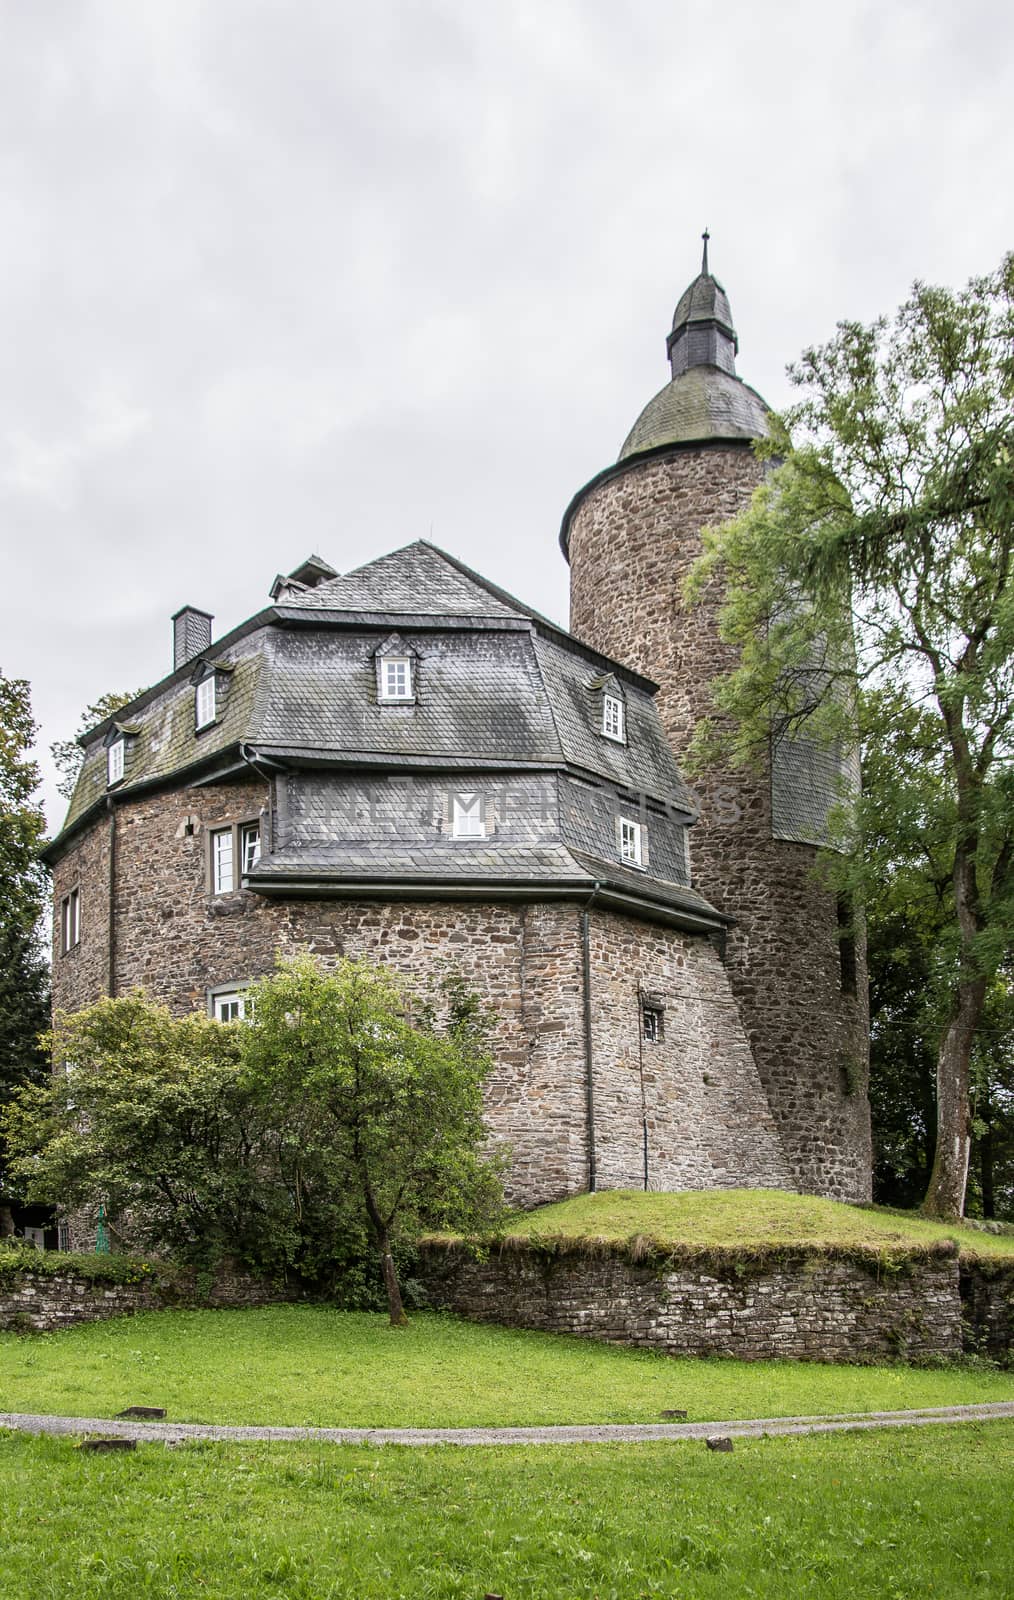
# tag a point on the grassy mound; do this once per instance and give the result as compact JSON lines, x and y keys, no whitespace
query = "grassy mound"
{"x":744,"y":1220}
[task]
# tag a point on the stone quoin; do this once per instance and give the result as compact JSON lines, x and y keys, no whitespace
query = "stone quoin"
{"x":407,"y":763}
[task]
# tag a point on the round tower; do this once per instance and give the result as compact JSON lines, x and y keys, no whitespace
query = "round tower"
{"x":796,"y":965}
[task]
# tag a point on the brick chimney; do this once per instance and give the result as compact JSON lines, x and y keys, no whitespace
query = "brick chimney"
{"x":191,"y":634}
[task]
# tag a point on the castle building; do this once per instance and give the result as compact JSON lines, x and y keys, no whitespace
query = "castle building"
{"x":407,"y":763}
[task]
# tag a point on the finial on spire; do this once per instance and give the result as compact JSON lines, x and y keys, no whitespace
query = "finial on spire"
{"x":704,"y":262}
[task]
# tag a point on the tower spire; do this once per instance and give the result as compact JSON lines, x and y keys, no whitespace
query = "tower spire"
{"x":704,"y":259}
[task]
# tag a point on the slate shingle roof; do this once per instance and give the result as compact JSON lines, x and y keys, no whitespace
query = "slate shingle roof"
{"x":702,"y":403}
{"x":416,"y":580}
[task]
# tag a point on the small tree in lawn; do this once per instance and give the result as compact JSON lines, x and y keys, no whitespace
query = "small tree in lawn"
{"x":385,"y":1103}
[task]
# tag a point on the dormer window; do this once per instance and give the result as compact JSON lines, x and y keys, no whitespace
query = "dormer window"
{"x":467,"y":820}
{"x":630,"y":836}
{"x":120,"y":735}
{"x":114,"y":762}
{"x":396,"y":678}
{"x":613,"y":718}
{"x":205,"y":702}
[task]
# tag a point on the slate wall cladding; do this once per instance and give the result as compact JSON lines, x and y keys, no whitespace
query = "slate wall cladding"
{"x":177,"y":941}
{"x":633,"y":538}
{"x":803,"y":1308}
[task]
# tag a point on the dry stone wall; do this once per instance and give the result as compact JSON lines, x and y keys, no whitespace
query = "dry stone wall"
{"x":44,"y":1302}
{"x":633,"y":539}
{"x":801,"y":1307}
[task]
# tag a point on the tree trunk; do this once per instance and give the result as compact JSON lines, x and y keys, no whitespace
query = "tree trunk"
{"x":383,"y":1242}
{"x":6,"y":1222}
{"x":391,"y":1284}
{"x":945,"y":1196}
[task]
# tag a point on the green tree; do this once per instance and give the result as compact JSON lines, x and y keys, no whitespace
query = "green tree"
{"x":149,"y":1117}
{"x":882,"y":539}
{"x":68,"y":754}
{"x":385,"y":1105}
{"x":24,"y":976}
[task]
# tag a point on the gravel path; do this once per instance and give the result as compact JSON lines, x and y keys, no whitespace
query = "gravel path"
{"x":633,"y":1433}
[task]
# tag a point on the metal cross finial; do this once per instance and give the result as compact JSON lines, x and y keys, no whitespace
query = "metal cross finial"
{"x":704,"y":263}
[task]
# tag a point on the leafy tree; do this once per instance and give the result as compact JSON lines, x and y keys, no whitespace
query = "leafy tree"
{"x":377,"y":1103}
{"x":68,"y":754}
{"x":150,"y":1118}
{"x":24,"y":978}
{"x":883,"y":540}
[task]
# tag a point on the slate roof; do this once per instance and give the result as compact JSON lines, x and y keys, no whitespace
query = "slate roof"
{"x":496,"y":682}
{"x":551,"y":866}
{"x":705,"y":300}
{"x":702,"y":403}
{"x":417,"y":580}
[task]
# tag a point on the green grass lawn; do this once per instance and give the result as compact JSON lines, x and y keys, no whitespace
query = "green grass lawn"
{"x":746,"y":1217}
{"x":891,"y":1516}
{"x":313,"y":1365}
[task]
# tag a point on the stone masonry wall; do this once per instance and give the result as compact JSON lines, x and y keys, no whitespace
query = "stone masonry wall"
{"x":803,"y":1307}
{"x":633,"y":539}
{"x":695,"y":1092}
{"x":987,"y":1295}
{"x":46,"y":1301}
{"x":708,"y":1122}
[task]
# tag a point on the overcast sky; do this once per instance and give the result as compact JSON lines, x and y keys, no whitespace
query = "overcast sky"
{"x":282,"y":276}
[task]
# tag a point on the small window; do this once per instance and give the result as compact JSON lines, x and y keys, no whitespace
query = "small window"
{"x":249,"y":846}
{"x":653,"y":1019}
{"x":205,"y":709}
{"x":396,"y":678}
{"x":613,"y":718}
{"x":70,"y":921}
{"x":630,"y":842}
{"x":223,"y":876}
{"x":229,"y":1005}
{"x":468,"y":821}
{"x":114,"y":761}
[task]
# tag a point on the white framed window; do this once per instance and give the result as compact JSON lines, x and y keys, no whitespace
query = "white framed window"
{"x":249,"y":846}
{"x":114,"y":761}
{"x":70,"y":921}
{"x":631,"y":842}
{"x":613,"y":718}
{"x":229,"y":1005}
{"x":223,"y":869}
{"x":467,"y":818}
{"x":396,"y":678}
{"x":205,"y":708}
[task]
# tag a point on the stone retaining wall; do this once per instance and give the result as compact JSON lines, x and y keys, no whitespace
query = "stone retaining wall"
{"x":800,"y":1305}
{"x":987,"y":1295}
{"x":45,"y":1301}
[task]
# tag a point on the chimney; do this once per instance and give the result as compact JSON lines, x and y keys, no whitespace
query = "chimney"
{"x":191,"y":634}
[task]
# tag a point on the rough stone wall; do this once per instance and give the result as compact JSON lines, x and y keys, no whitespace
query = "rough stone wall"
{"x":803,"y":1308}
{"x":695,"y":1092}
{"x":45,"y":1302}
{"x":633,"y":539}
{"x":707,"y":1119}
{"x":81,"y":975}
{"x":987,"y":1295}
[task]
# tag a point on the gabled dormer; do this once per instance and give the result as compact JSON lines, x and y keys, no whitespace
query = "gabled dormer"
{"x":609,"y":707}
{"x":119,"y":742}
{"x":397,"y":664}
{"x":210,"y":680}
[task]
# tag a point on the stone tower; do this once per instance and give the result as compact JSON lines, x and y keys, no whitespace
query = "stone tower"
{"x":631,"y":535}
